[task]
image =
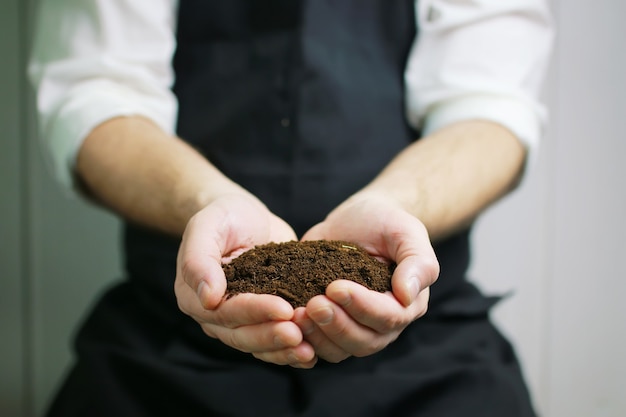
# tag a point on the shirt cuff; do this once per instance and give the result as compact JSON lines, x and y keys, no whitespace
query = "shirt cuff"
{"x":87,"y":109}
{"x":523,"y":119}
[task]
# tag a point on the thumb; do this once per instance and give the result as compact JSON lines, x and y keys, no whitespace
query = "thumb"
{"x":412,"y":275}
{"x":199,"y":264}
{"x":205,"y":276}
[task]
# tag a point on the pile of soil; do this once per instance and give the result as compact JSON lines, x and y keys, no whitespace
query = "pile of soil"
{"x":297,"y":271}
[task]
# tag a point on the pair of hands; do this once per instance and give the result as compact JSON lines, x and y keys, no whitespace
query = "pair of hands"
{"x":349,"y":320}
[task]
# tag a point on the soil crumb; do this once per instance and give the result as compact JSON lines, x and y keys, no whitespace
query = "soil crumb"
{"x":297,"y":271}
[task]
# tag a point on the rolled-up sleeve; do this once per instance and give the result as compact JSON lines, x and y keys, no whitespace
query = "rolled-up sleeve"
{"x":480,"y":59}
{"x":95,"y":60}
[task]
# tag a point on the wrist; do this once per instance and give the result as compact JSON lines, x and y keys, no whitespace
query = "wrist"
{"x":379,"y":194}
{"x":225,"y":191}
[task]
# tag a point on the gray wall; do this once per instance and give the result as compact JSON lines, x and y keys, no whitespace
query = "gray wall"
{"x":12,"y":268}
{"x":556,"y":242}
{"x":56,"y":252}
{"x":559,"y":240}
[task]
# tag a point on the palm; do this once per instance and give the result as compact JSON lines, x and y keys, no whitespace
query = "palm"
{"x":258,"y":324}
{"x":381,"y":228}
{"x":350,"y":319}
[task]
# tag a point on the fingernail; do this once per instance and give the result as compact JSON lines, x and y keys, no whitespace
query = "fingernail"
{"x":414,"y":288}
{"x":278,"y":342}
{"x":322,"y":316}
{"x":203,"y":293}
{"x":292,"y":358}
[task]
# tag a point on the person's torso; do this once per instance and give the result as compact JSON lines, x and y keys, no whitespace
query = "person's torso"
{"x":301,"y":102}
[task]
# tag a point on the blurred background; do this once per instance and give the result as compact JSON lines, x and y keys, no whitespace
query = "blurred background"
{"x":556,"y":243}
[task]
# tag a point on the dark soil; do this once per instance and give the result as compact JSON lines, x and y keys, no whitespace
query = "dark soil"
{"x":297,"y":271}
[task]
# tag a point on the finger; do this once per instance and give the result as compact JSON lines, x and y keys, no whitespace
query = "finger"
{"x":324,"y":347}
{"x":245,"y":309}
{"x":378,"y":311}
{"x":417,"y":266}
{"x":188,"y":300}
{"x":239,"y":310}
{"x":302,"y":356}
{"x":264,"y":337}
{"x":304,"y":365}
{"x":342,"y":330}
{"x":199,"y":264}
{"x":412,"y":274}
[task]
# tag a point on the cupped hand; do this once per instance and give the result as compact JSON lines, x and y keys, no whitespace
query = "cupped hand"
{"x":351,"y":320}
{"x":259,"y":324}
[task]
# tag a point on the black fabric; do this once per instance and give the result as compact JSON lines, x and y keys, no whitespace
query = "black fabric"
{"x":440,"y":367}
{"x":301,"y":102}
{"x":302,"y":109}
{"x":332,"y":70}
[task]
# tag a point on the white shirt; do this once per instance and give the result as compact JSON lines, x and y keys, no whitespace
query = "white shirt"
{"x":98,"y":59}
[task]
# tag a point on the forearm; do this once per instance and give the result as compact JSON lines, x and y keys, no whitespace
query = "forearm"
{"x":131,"y":166}
{"x":451,"y":176}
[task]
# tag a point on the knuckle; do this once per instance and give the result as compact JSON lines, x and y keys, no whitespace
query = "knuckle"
{"x":231,"y":339}
{"x":336,"y":357}
{"x":182,"y":305}
{"x":391,"y":323}
{"x":224,"y":320}
{"x":422,"y":310}
{"x":376,"y":345}
{"x":370,"y":349}
{"x":208,"y":330}
{"x":361,"y":353}
{"x":263,"y":356}
{"x":338,"y":331}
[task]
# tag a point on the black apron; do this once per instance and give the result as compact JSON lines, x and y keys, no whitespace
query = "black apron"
{"x":302,"y":103}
